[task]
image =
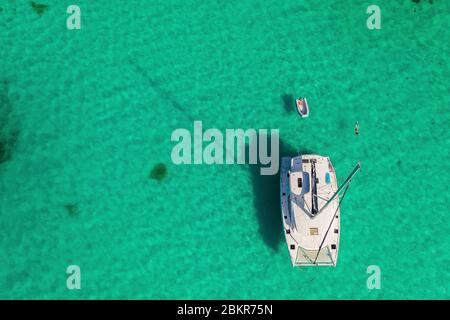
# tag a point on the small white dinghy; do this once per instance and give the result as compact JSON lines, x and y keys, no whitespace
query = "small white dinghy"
{"x":302,"y":107}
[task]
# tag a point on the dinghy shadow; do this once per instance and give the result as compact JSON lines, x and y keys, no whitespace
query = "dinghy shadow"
{"x":266,"y":197}
{"x":288,"y":102}
{"x":9,"y":132}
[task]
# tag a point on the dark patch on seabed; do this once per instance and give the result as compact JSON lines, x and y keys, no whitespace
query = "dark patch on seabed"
{"x":8,"y":133}
{"x":266,"y":196}
{"x":159,"y":172}
{"x":39,"y":8}
{"x":72,"y":209}
{"x":7,"y":14}
{"x":6,"y":146}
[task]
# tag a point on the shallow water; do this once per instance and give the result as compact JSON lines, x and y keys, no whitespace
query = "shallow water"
{"x":86,"y":115}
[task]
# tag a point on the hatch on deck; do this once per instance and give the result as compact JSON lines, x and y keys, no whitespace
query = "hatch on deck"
{"x":305,"y":188}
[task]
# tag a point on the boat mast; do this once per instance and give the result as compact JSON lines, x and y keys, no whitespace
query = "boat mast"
{"x":314,"y":204}
{"x":346,"y":182}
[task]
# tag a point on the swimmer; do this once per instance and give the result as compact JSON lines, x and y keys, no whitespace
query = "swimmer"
{"x":357,"y":128}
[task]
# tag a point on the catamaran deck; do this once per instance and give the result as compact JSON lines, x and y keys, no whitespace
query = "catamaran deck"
{"x":303,"y":227}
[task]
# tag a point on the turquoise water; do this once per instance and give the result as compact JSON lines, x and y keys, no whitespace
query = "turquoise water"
{"x":87,"y":114}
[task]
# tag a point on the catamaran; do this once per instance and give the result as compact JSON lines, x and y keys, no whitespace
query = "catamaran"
{"x":310,"y":207}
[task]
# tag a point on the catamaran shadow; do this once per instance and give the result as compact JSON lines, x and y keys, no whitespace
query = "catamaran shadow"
{"x":266,"y":197}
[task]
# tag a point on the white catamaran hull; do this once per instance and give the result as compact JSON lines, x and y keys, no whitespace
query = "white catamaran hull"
{"x":310,"y":224}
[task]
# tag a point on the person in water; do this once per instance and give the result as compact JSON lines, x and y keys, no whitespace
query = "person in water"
{"x":357,"y":128}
